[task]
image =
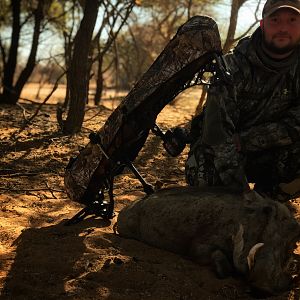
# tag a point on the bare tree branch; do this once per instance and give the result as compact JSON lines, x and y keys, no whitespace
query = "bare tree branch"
{"x":252,"y":25}
{"x":45,"y":100}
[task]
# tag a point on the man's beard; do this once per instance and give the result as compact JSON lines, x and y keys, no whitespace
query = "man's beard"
{"x":271,"y":47}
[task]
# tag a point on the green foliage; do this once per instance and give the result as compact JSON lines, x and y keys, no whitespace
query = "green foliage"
{"x":5,"y":12}
{"x":135,"y":55}
{"x":55,"y":9}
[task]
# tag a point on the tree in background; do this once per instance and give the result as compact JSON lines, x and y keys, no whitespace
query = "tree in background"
{"x":115,"y":15}
{"x":78,"y":72}
{"x":5,"y":24}
{"x":133,"y":54}
{"x":84,"y":52}
{"x":11,"y":91}
{"x":149,"y":29}
{"x":10,"y":62}
{"x":230,"y":37}
{"x":65,"y":26}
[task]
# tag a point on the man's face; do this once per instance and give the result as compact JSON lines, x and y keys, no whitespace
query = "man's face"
{"x":281,"y":31}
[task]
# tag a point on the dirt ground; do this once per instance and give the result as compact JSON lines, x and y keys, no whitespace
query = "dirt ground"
{"x":41,"y":258}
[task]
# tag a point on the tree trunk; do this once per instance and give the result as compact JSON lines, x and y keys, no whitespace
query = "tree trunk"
{"x":26,"y":72}
{"x":68,"y":55}
{"x":11,"y":93}
{"x":235,"y":7}
{"x":79,"y":77}
{"x":99,"y":82}
{"x":10,"y":66}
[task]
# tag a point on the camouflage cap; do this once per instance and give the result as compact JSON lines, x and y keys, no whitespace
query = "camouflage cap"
{"x":273,"y":5}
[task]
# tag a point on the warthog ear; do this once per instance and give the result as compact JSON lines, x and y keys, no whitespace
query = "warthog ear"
{"x":251,"y":255}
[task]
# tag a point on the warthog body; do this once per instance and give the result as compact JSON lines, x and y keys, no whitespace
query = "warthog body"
{"x":254,"y":238}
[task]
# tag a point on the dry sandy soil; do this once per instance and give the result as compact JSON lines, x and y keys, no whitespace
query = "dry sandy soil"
{"x":41,"y":258}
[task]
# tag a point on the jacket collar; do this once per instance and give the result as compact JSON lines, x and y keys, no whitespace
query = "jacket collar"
{"x":252,"y":49}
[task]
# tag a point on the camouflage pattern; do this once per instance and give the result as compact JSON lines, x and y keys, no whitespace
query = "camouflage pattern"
{"x":126,"y":130}
{"x":250,"y":128}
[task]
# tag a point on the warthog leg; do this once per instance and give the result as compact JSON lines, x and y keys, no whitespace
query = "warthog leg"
{"x":205,"y":254}
{"x":221,"y":265}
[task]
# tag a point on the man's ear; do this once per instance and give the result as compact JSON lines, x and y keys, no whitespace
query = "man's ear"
{"x":261,"y":24}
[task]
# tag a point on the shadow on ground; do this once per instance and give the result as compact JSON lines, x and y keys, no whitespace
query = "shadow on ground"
{"x":45,"y":258}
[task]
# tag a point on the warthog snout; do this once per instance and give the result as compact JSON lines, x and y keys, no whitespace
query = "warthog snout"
{"x":269,"y":285}
{"x":267,"y":274}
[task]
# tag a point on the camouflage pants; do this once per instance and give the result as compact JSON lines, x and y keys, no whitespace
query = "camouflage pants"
{"x":267,"y":167}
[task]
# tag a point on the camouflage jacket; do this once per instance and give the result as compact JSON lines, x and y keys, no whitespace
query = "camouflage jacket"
{"x":261,"y":106}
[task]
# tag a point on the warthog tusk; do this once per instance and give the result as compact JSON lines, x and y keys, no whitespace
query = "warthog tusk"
{"x":251,"y":255}
{"x":238,"y":245}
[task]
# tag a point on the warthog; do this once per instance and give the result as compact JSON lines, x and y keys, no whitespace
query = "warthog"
{"x":253,"y":238}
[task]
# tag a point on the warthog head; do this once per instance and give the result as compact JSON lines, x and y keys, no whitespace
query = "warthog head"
{"x":266,"y":260}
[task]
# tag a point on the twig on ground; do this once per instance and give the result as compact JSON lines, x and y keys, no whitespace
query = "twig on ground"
{"x":24,"y":111}
{"x":39,"y":107}
{"x":86,"y":129}
{"x":29,"y":100}
{"x":50,"y":190}
{"x":100,"y":107}
{"x":6,"y":171}
{"x":91,"y":118}
{"x":30,"y":190}
{"x":20,"y":174}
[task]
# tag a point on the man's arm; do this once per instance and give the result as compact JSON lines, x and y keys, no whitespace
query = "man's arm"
{"x":219,"y":132}
{"x":273,"y":134}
